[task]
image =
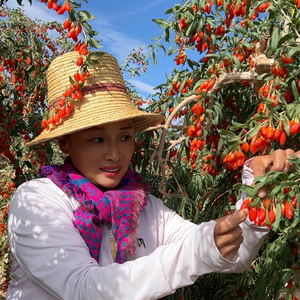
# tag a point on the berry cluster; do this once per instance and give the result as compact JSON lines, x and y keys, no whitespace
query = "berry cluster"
{"x":234,"y":159}
{"x":65,"y":103}
{"x":60,"y":9}
{"x":195,"y":144}
{"x":73,"y":29}
{"x":195,"y":130}
{"x":176,"y":87}
{"x":205,"y":87}
{"x":202,"y":40}
{"x":263,"y":212}
{"x":211,"y":164}
{"x":270,"y":131}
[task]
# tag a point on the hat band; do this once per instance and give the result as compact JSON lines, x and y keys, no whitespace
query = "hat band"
{"x":98,"y":87}
{"x":103,"y":87}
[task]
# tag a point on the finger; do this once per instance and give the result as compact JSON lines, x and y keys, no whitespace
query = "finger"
{"x":229,"y":244}
{"x":259,"y":164}
{"x":279,"y":160}
{"x":220,"y":219}
{"x":262,"y":192}
{"x":276,"y":161}
{"x":230,"y":251}
{"x":231,"y":222}
{"x":297,"y":154}
{"x":229,"y":237}
{"x":290,"y":153}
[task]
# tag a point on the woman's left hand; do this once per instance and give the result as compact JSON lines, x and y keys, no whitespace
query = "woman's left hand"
{"x":277,"y":161}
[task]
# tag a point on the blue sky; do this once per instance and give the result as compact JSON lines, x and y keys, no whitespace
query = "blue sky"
{"x":122,"y":26}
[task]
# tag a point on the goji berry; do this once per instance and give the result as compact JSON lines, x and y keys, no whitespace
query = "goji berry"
{"x":252,"y":213}
{"x":288,"y":210}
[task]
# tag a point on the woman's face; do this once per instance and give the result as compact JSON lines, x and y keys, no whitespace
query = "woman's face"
{"x":102,"y":154}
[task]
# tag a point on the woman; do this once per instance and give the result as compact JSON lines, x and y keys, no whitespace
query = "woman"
{"x":90,"y":229}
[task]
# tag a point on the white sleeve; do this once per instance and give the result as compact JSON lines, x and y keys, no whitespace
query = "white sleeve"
{"x":54,"y":256}
{"x":253,"y":235}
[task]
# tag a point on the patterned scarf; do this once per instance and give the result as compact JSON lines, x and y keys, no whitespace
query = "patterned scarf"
{"x":119,"y":208}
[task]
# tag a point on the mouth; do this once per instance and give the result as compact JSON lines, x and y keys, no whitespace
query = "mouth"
{"x":111,"y":169}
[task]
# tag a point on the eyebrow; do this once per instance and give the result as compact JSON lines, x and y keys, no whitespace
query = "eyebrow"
{"x":103,"y":129}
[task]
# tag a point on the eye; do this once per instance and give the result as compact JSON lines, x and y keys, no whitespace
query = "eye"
{"x":126,"y":137}
{"x":98,"y":140}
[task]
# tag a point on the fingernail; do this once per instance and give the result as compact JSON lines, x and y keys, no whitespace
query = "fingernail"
{"x":285,"y":170}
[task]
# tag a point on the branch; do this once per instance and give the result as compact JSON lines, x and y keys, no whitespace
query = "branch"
{"x":262,"y":65}
{"x":164,"y":133}
{"x":286,"y":18}
{"x":161,"y":127}
{"x":176,"y":142}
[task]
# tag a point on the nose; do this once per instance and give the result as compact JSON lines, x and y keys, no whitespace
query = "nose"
{"x":112,"y":152}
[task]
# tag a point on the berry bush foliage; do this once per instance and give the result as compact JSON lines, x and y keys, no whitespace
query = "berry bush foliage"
{"x":233,"y":94}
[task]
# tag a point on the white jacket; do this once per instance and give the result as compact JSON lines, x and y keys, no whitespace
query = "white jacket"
{"x":51,"y":261}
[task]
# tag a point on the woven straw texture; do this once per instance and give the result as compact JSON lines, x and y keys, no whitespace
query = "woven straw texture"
{"x":96,"y":107}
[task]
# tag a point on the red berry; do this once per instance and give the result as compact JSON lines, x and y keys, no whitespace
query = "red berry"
{"x":67,"y":6}
{"x":252,"y":213}
{"x":76,"y":76}
{"x":79,"y":61}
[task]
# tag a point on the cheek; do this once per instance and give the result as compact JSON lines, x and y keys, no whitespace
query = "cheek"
{"x":83,"y":158}
{"x":131,"y":150}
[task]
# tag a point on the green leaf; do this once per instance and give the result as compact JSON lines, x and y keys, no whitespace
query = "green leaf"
{"x":218,"y":114}
{"x":295,"y":91}
{"x":278,"y":217}
{"x":72,"y":16}
{"x":88,"y":28}
{"x":275,"y":38}
{"x":95,"y":55}
{"x":241,"y":29}
{"x":169,"y":11}
{"x":220,"y":144}
{"x":255,"y":202}
{"x":161,"y":23}
{"x":191,"y":28}
{"x":167,"y":35}
{"x":85,"y":16}
{"x":245,"y":188}
{"x":292,"y":51}
{"x":276,"y":190}
{"x":93,"y":42}
{"x":163,"y":108}
{"x":228,"y":135}
{"x":154,"y":58}
{"x":163,"y":47}
{"x":285,"y":38}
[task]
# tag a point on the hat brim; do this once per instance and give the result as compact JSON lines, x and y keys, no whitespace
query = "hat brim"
{"x":104,"y":99}
{"x":89,"y":115}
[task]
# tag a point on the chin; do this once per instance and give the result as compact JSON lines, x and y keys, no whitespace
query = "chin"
{"x":106,"y":187}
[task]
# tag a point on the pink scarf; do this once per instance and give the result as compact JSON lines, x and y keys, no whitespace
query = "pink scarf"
{"x":119,"y":208}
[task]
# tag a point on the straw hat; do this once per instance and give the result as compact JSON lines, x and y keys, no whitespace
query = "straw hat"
{"x":104,"y":98}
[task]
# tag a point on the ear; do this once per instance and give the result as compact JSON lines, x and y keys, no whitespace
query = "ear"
{"x":63,"y":144}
